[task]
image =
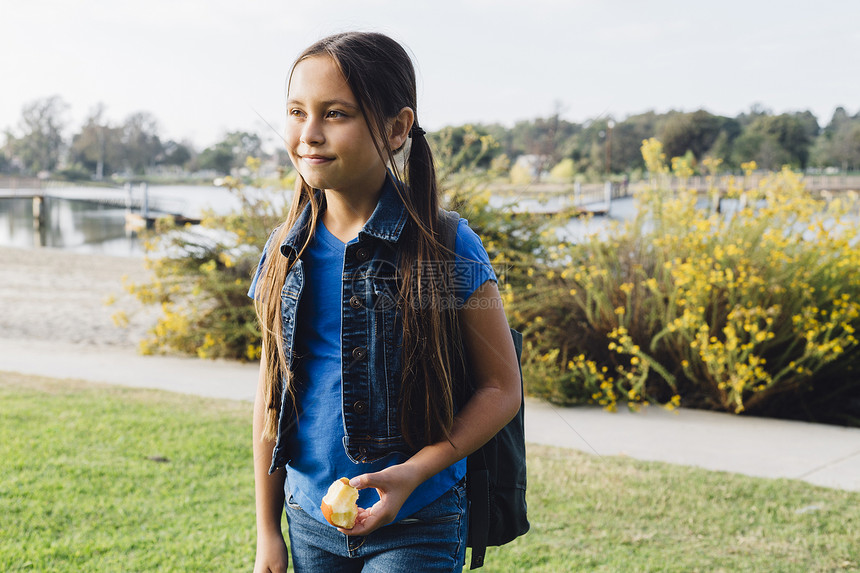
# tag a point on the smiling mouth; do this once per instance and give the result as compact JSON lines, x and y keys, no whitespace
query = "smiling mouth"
{"x":315,"y":159}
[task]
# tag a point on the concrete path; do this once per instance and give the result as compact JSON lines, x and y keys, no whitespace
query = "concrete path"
{"x":819,"y":454}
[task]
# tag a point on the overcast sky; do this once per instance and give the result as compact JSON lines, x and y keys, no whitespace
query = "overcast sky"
{"x":205,"y":67}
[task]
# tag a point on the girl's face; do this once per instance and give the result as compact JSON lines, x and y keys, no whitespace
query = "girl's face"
{"x":327,"y":137}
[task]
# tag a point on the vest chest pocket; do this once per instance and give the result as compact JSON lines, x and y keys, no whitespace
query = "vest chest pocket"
{"x":387,"y":320}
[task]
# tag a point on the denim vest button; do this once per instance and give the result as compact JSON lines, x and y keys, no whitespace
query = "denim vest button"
{"x":360,"y":407}
{"x":362,"y":450}
{"x":355,"y":302}
{"x":362,"y":254}
{"x":359,"y":352}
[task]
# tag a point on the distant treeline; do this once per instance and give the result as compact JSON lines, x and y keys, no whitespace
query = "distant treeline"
{"x":595,"y":148}
{"x":602,"y":146}
{"x":101,"y":148}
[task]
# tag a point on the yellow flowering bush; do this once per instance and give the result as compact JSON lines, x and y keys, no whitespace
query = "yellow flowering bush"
{"x":753,"y":306}
{"x":201,"y":276}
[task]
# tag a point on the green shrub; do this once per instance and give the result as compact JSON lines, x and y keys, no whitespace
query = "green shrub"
{"x":564,"y":170}
{"x":513,"y":239}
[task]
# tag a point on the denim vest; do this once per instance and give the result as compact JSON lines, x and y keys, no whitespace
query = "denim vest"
{"x":371,"y":333}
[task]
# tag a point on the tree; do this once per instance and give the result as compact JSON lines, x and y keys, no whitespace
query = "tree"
{"x":696,"y":132}
{"x":40,"y":144}
{"x":627,"y":137}
{"x":542,"y":142}
{"x":839,"y":142}
{"x":243,"y":145}
{"x":218,"y":158}
{"x":587,"y":146}
{"x":5,"y":166}
{"x":757,"y":110}
{"x":140,"y":142}
{"x":98,"y":145}
{"x":465,"y":145}
{"x":231,"y":152}
{"x":845,"y":146}
{"x":543,"y":138}
{"x":775,"y":140}
{"x":760,"y":147}
{"x":175,"y":153}
{"x":839,"y":118}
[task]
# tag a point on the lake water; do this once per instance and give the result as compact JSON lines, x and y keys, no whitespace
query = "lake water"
{"x":83,"y":226}
{"x":73,"y":225}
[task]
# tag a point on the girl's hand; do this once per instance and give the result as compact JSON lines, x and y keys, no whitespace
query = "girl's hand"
{"x":272,"y":556}
{"x":394,"y":485}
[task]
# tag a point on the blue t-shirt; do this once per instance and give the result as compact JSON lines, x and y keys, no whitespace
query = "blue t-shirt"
{"x":316,"y":447}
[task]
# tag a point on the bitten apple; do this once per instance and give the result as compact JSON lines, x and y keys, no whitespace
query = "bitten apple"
{"x":339,"y":505}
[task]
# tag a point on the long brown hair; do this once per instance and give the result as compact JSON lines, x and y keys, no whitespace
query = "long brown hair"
{"x":382,"y":79}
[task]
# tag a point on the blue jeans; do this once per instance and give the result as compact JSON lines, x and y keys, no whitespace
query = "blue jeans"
{"x":432,"y":539}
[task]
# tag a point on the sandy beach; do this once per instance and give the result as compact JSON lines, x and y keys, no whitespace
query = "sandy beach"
{"x":55,"y":295}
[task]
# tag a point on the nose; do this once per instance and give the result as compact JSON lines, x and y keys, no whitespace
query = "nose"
{"x":312,"y":133}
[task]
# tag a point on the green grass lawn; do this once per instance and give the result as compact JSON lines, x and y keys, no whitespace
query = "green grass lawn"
{"x":100,"y":478}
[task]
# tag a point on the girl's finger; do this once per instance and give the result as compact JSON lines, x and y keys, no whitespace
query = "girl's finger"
{"x":359,"y":482}
{"x":367,"y":522}
{"x":361,"y":526}
{"x":365,"y":481}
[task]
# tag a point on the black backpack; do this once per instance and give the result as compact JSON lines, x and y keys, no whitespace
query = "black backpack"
{"x":496,"y":473}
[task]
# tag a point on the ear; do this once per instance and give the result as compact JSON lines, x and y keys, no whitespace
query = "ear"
{"x":399,"y":128}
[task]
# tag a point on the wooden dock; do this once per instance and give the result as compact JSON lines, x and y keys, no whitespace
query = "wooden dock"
{"x":141,"y":211}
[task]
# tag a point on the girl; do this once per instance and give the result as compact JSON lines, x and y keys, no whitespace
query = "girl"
{"x":367,"y":330}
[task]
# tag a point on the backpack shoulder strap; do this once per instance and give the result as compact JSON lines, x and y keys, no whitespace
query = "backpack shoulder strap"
{"x":477,"y":475}
{"x":448,"y":222}
{"x":480,"y":484}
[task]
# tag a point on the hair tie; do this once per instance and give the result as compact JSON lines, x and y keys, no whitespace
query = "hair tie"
{"x":417,"y":130}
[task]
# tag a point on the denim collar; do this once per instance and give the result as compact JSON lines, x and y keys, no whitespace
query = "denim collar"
{"x":385,"y":223}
